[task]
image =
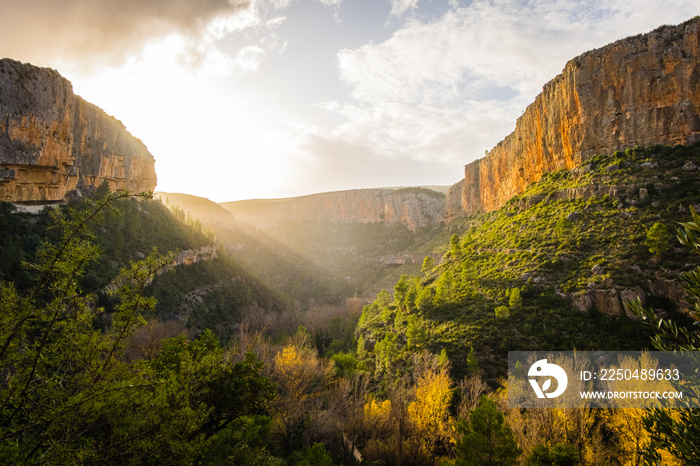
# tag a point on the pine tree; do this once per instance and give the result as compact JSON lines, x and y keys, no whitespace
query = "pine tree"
{"x":658,"y":239}
{"x":515,"y":300}
{"x":472,"y":363}
{"x":455,"y":245}
{"x":487,"y":440}
{"x":415,"y":332}
{"x":428,"y":263}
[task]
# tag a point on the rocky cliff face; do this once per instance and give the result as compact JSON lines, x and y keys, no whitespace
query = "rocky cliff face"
{"x":52,"y":142}
{"x":643,"y":90}
{"x":412,"y":207}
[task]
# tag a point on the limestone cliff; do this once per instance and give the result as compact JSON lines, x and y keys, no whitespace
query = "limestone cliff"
{"x":412,"y":207}
{"x":643,"y":90}
{"x":53,"y":142}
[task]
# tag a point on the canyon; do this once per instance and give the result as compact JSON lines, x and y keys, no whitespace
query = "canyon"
{"x":639,"y":91}
{"x":642,"y":90}
{"x":54,"y":144}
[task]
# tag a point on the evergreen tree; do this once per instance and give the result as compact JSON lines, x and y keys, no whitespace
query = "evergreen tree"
{"x":502,"y":312}
{"x":386,"y":351}
{"x":401,"y":290}
{"x":428,"y":263}
{"x":515,"y":300}
{"x":424,"y":298}
{"x":487,"y":440}
{"x":443,"y":289}
{"x":455,"y":245}
{"x":557,"y":455}
{"x":415,"y":332}
{"x":472,"y":363}
{"x":658,"y":239}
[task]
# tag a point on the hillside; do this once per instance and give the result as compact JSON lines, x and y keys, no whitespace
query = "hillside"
{"x":642,"y":90}
{"x":552,"y":269}
{"x":206,"y":211}
{"x":320,"y":248}
{"x":205,"y":288}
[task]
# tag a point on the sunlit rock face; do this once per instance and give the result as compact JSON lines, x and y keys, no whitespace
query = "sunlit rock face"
{"x":412,"y":209}
{"x":643,"y":90}
{"x":453,"y":201}
{"x":53,"y":143}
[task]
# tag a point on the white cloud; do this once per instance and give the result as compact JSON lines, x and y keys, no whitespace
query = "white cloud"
{"x":433,"y":96}
{"x":248,"y":59}
{"x":275,"y":22}
{"x":399,"y":7}
{"x":449,"y":89}
{"x":280,"y":4}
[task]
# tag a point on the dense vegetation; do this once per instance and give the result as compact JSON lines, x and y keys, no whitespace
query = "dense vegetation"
{"x":69,"y":394}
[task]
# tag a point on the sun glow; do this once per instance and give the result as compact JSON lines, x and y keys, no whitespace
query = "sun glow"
{"x":216,"y":135}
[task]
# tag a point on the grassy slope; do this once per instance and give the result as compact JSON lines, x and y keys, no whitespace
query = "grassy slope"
{"x":530,"y":244}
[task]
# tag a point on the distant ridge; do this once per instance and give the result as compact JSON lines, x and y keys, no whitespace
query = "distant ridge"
{"x":413,"y":207}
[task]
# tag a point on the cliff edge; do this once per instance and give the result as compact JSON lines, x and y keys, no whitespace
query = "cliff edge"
{"x":53,"y":143}
{"x":643,"y":90}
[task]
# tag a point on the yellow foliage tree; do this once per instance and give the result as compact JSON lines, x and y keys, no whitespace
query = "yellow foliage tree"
{"x":301,"y":378}
{"x":627,"y":424}
{"x":627,"y":421}
{"x":377,"y":414}
{"x":430,"y":412}
{"x":291,"y":368}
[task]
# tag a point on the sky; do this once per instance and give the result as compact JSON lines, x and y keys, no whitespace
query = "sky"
{"x":276,"y":98}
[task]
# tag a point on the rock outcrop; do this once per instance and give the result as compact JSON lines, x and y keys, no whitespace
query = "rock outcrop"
{"x":53,"y":142}
{"x":192,"y":256}
{"x":643,"y":90}
{"x":412,"y":207}
{"x":608,"y":301}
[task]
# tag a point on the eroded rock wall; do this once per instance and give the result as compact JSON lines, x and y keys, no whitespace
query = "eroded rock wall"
{"x":53,"y":142}
{"x":413,"y":208}
{"x":643,"y":90}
